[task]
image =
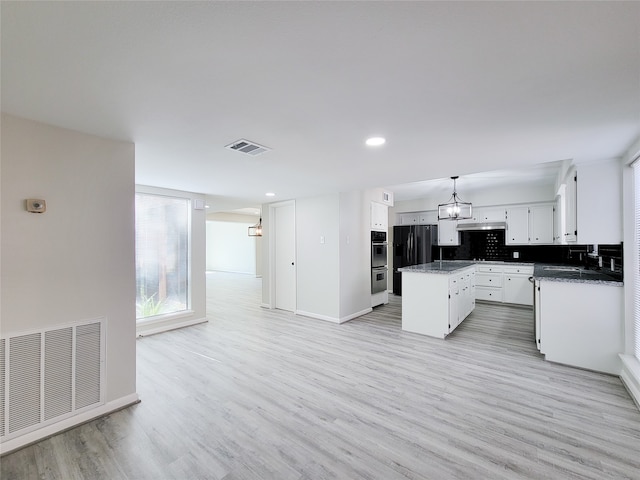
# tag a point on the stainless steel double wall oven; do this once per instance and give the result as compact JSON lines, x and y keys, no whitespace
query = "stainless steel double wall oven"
{"x":378,"y":262}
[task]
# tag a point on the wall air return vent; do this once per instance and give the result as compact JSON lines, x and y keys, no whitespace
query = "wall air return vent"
{"x":49,"y":375}
{"x":245,"y":146}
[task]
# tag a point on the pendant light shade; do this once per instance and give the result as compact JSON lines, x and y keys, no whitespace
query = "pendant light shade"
{"x":455,"y":208}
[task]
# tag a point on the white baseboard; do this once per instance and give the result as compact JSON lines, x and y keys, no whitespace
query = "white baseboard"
{"x":630,"y":376}
{"x":151,"y":329}
{"x":317,"y":316}
{"x":355,"y":315}
{"x":34,"y":436}
{"x":327,"y":318}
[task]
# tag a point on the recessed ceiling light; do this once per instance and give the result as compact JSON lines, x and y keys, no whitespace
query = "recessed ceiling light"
{"x":270,"y":194}
{"x":375,"y":141}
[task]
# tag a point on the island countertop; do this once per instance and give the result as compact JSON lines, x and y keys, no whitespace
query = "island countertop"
{"x":542,"y":271}
{"x":438,"y":267}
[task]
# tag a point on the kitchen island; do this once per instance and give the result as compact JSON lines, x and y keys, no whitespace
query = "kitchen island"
{"x":437,"y":297}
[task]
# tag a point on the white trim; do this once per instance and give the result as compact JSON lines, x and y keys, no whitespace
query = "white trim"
{"x":356,"y":315}
{"x":164,"y":317}
{"x":143,"y":332}
{"x":327,"y":318}
{"x":630,"y":376}
{"x":9,"y":446}
{"x":266,"y":305}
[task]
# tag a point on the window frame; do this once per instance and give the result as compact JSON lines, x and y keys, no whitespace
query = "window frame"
{"x":188,"y":311}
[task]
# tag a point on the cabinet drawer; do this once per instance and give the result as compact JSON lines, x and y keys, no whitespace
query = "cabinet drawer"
{"x":524,"y":270}
{"x":489,"y":294}
{"x":489,"y":268}
{"x":489,"y":280}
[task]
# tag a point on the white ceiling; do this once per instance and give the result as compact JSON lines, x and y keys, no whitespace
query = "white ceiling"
{"x":456,"y":87}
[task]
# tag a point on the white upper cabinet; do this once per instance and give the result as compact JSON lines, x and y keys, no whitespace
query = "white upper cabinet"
{"x":570,"y":202}
{"x":409,"y":218}
{"x":429,"y":217}
{"x":491,"y":214}
{"x":530,"y":225}
{"x":448,"y":233}
{"x":379,"y":217}
{"x":599,"y":203}
{"x":517,"y":226}
{"x":557,"y":220}
{"x":541,"y":224}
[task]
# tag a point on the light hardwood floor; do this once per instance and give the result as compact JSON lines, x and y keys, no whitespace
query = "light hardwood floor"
{"x":264,"y":394}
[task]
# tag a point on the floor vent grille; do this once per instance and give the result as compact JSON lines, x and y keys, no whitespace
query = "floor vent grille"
{"x":247,"y":147}
{"x":49,"y":375}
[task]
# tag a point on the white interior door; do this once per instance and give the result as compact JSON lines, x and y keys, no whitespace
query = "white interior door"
{"x":285,"y":258}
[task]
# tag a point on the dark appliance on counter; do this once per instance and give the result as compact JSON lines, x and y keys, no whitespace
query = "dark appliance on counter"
{"x":412,"y":245}
{"x":378,"y":262}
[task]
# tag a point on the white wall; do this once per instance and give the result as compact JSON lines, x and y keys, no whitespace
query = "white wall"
{"x":75,"y":261}
{"x":230,"y":248}
{"x":333,"y":278}
{"x":355,"y":254}
{"x":197,"y":279}
{"x":318,"y":264}
{"x":631,"y":255}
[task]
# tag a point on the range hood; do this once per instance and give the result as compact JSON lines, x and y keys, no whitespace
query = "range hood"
{"x":466,"y":227}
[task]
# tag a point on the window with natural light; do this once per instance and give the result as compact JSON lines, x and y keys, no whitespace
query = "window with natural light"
{"x":162,"y":255}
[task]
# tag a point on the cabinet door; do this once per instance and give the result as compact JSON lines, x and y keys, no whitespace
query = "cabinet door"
{"x":557,"y":220}
{"x":454,"y":309}
{"x":409,"y":219}
{"x":517,"y":289}
{"x":491,"y":214}
{"x":541,"y":224}
{"x":379,"y":216}
{"x":517,"y":226}
{"x":448,"y":232}
{"x":536,"y":314}
{"x":428,"y":218}
{"x":570,"y":208}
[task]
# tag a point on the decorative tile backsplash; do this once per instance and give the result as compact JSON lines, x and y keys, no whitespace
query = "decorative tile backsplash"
{"x":490,"y":245}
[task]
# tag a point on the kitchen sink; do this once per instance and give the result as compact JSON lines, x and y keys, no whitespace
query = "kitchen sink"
{"x":562,"y":269}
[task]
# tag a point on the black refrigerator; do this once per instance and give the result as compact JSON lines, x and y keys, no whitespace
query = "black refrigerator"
{"x":412,"y":245}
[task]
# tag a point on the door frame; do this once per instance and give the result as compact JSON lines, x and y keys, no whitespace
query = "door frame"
{"x":272,"y":252}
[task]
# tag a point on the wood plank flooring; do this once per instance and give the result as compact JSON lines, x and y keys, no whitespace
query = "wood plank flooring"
{"x":265,"y":394}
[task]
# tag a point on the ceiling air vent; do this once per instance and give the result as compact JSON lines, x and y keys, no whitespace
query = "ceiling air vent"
{"x":245,"y":146}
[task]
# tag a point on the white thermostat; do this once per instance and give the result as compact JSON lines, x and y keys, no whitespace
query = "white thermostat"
{"x":36,"y":205}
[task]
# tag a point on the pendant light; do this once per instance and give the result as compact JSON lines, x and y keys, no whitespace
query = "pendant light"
{"x":455,"y":208}
{"x":256,"y":230}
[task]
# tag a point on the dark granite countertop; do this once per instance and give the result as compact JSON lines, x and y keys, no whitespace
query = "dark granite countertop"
{"x":440,"y":267}
{"x":542,"y":271}
{"x":573,"y":274}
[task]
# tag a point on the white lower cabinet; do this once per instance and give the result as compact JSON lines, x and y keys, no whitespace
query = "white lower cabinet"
{"x":516,"y":285}
{"x":461,"y":297}
{"x":507,"y":284}
{"x":489,"y":283}
{"x":581,"y":324}
{"x":435,"y":304}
